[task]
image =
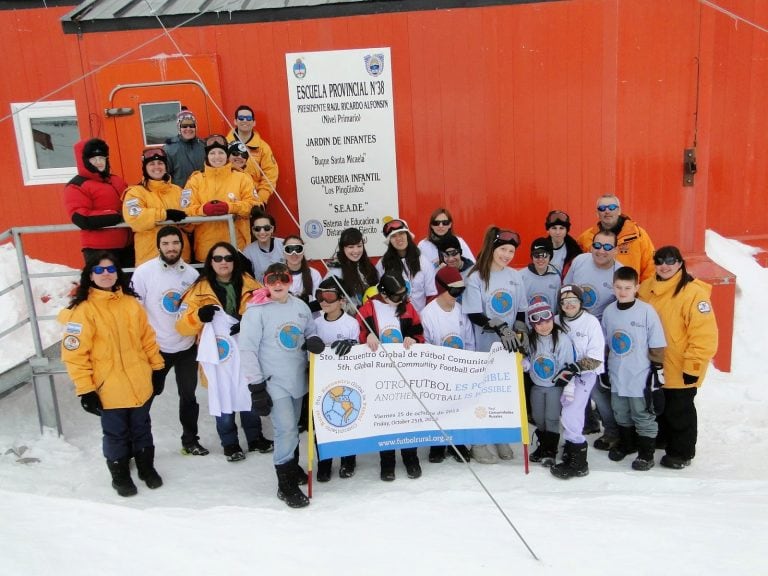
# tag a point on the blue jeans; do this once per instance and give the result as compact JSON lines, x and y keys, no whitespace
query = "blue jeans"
{"x":126,"y":431}
{"x":285,"y":417}
{"x":602,"y":398}
{"x":227,"y":428}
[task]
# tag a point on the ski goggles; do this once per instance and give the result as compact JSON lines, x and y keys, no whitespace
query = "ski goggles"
{"x":451,"y":253}
{"x":398,"y":297}
{"x":238,"y":149}
{"x":539,"y":317}
{"x":277,"y":278}
{"x":294,"y":249}
{"x":328,"y":296}
{"x":507,"y":237}
{"x":150,"y":154}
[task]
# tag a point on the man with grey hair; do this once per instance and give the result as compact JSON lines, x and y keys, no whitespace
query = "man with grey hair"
{"x":634,"y":245}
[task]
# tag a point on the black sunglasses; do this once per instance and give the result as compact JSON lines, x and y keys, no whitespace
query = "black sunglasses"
{"x":219,"y":258}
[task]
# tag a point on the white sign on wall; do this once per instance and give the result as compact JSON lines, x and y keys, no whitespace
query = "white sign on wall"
{"x":343,"y":128}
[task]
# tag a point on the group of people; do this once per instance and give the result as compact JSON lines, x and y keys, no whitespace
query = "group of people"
{"x":256,"y":310}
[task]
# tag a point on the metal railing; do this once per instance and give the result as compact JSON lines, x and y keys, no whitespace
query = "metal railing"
{"x":42,"y":368}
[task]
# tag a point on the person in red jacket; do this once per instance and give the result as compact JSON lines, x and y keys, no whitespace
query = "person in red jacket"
{"x":94,"y":201}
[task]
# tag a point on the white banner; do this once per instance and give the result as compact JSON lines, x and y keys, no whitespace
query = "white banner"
{"x":360,"y":403}
{"x":343,"y":126}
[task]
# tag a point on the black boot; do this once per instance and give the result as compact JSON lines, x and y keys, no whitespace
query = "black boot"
{"x":411,"y":460}
{"x":324,"y":469}
{"x":121,"y":476}
{"x":145,"y":464}
{"x":288,"y":488}
{"x":460,"y":451}
{"x":646,"y":450}
{"x":436,"y":454}
{"x":537,"y":454}
{"x":347,"y":468}
{"x":550,"y":441}
{"x":301,"y":476}
{"x":387,"y":462}
{"x":626,"y":444}
{"x":576,"y":465}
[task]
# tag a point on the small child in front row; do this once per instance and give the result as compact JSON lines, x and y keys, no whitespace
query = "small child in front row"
{"x":635,"y":340}
{"x":551,"y":365}
{"x":340,"y":331}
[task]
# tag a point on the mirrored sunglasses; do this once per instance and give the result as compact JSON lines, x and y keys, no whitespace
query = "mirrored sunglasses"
{"x":245,"y":117}
{"x":668,"y":260}
{"x":538,"y":317}
{"x":607,"y":246}
{"x":265,"y":228}
{"x":294,"y":249}
{"x":219,"y":258}
{"x":604,"y":207}
{"x":187,"y":125}
{"x":329,"y":296}
{"x":277,"y":278}
{"x":101,"y":269}
{"x":440,"y":222}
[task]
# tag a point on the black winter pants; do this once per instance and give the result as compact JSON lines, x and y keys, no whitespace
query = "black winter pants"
{"x":679,"y":423}
{"x":185,"y":365}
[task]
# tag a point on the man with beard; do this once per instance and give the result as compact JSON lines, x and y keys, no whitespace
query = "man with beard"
{"x":160,"y":283}
{"x":185,"y":151}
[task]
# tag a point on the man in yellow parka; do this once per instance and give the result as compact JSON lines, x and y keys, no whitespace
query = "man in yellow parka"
{"x":684,"y":306}
{"x":261,"y":164}
{"x":634,"y":245}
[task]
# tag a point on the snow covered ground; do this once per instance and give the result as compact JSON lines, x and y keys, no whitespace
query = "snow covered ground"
{"x":59,"y":515}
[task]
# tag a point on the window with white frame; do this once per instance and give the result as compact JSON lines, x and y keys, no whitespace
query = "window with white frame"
{"x":45,"y":135}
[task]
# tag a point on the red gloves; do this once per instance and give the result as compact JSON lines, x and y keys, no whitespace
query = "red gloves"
{"x":215,"y":208}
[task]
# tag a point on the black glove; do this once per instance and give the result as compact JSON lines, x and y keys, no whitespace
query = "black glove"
{"x":261,"y":401}
{"x":342,"y":347}
{"x":235,"y":329}
{"x":175,"y":215}
{"x":158,"y":381}
{"x":565,"y":375}
{"x":656,"y":376}
{"x":504,"y":332}
{"x":91,"y":403}
{"x":689,"y":379}
{"x":205,"y":313}
{"x":313,"y":344}
{"x":605,"y":381}
{"x":653,"y":394}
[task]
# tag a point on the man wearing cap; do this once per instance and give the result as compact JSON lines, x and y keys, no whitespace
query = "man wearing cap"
{"x":451,"y":254}
{"x":634,"y":245}
{"x":93,"y":199}
{"x":564,"y":246}
{"x":185,"y":152}
{"x":155,"y":199}
{"x":261,"y":164}
{"x":540,"y":278}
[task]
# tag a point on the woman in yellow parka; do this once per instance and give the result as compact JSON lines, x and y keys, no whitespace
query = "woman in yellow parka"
{"x":218,"y":190}
{"x":153,"y":200}
{"x":109,"y":349}
{"x":684,"y":306}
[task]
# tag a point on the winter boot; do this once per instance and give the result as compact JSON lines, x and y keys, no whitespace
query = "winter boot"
{"x":288,"y":488}
{"x":674,"y":462}
{"x":646,"y":450}
{"x":460,"y":451}
{"x":324,"y":469}
{"x":485,"y":454}
{"x":537,"y":454}
{"x":145,"y":464}
{"x":436,"y":454}
{"x":626,"y":444}
{"x":504,"y":451}
{"x":606,"y":442}
{"x":411,"y":462}
{"x":577,"y":462}
{"x":387,"y":461}
{"x":261,"y":444}
{"x":194,"y":449}
{"x":234,"y":453}
{"x":121,"y":476}
{"x":347,"y":468}
{"x":301,"y":476}
{"x":550,"y":441}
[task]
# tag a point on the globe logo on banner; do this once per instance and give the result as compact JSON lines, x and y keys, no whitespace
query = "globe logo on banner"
{"x":621,"y":343}
{"x":289,"y":336}
{"x":501,"y":302}
{"x":341,"y":406}
{"x":171,"y":301}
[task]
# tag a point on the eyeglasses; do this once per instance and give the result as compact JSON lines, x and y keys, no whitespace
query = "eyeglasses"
{"x":604,"y":245}
{"x":452,"y":253}
{"x":397,"y":298}
{"x":538,"y":317}
{"x":277,"y":278}
{"x":219,"y":258}
{"x":668,"y":260}
{"x":182,"y":126}
{"x":216,"y":139}
{"x":508,"y":236}
{"x":570,"y":300}
{"x":265,"y":228}
{"x":393,"y":225}
{"x":294,"y":249}
{"x":538,"y":255}
{"x":604,"y":207}
{"x":440,"y":222}
{"x":245,"y":117}
{"x":329,"y":296}
{"x":153,"y":154}
{"x":101,"y":269}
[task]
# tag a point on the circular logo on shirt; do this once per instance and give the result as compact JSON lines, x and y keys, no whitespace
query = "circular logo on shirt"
{"x":502,"y":302}
{"x":71,"y":342}
{"x":391,"y":336}
{"x":621,"y":343}
{"x":453,"y":341}
{"x":289,"y":336}
{"x":224,"y":347}
{"x":589,"y":296}
{"x":171,"y":301}
{"x":544,"y":367}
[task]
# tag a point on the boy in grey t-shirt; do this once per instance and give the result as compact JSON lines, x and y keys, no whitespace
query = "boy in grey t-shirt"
{"x":635,"y":340}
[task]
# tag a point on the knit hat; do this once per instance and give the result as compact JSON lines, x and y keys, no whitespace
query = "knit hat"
{"x":542,"y":245}
{"x":95,"y":147}
{"x":150,"y":154}
{"x":448,"y":277}
{"x":573,"y":289}
{"x":215,"y":141}
{"x":558,"y":218}
{"x":535,"y":309}
{"x":390,"y":285}
{"x":237,"y":148}
{"x":393,"y":226}
{"x":447,"y":242}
